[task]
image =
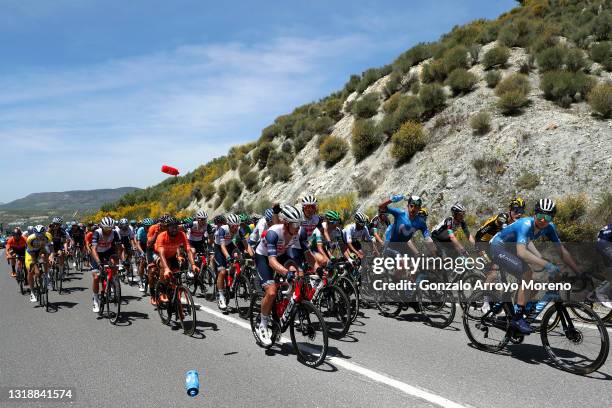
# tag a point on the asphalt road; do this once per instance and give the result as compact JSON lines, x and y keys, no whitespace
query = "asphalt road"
{"x":382,"y":362}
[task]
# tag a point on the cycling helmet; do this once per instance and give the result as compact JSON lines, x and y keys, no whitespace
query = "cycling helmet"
{"x":361,"y":218}
{"x":255,"y":218}
{"x":546,"y":206}
{"x":81,"y":225}
{"x":290,"y":214}
{"x":309,"y":200}
{"x":233,"y":219}
{"x":201,"y":214}
{"x":502,"y":218}
{"x":132,"y":223}
{"x":39,"y":229}
{"x":244,"y":217}
{"x":415,"y":199}
{"x":188,"y":220}
{"x":17,"y":232}
{"x":170,"y":220}
{"x":332,"y":215}
{"x":124,"y":222}
{"x":57,"y":220}
{"x":268,"y":215}
{"x":30,"y":229}
{"x":457,"y":208}
{"x":423,"y":212}
{"x":518,"y":202}
{"x":107,"y":222}
{"x":219,"y":219}
{"x":147,"y":222}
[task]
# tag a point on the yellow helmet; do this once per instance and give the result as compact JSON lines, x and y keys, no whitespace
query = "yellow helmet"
{"x":517,"y":202}
{"x":423,"y":212}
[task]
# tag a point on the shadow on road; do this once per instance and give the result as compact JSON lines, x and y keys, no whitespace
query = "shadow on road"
{"x":127,"y":318}
{"x":62,"y":305}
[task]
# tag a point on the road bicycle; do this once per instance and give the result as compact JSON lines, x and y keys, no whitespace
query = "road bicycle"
{"x":174,"y":298}
{"x":41,"y":285}
{"x":21,"y":274}
{"x":110,"y":296}
{"x":237,"y":285}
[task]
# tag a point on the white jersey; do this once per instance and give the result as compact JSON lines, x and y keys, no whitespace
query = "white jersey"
{"x":273,"y":243}
{"x":223,"y":235}
{"x":308,"y":226}
{"x":255,"y":236}
{"x":197,"y":232}
{"x":127,"y":233}
{"x":350,"y":234}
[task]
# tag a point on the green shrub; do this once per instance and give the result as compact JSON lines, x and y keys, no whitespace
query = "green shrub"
{"x":551,"y":58}
{"x":496,"y":57}
{"x":461,"y":81}
{"x":408,"y":140}
{"x":208,"y":190}
{"x":269,"y":133}
{"x":365,"y":187}
{"x":415,"y":87}
{"x":352,"y":83}
{"x":250,"y":180}
{"x":517,"y":34}
{"x":474,"y":52}
{"x":365,"y":139}
{"x":574,"y":60}
{"x":602,"y":25}
{"x":571,"y":219}
{"x":432,"y":98}
{"x":602,"y":212}
{"x":281,"y":171}
{"x":492,"y":78}
{"x":407,"y":108}
{"x":513,"y":82}
{"x":393,"y":83}
{"x":456,"y":57}
{"x":602,"y":54}
{"x":286,"y":147}
{"x":261,"y":153}
{"x":322,"y":124}
{"x":558,"y":86}
{"x":366,"y":106}
{"x":301,"y":140}
{"x":370,"y":76}
{"x":243,"y":169}
{"x":333,"y":108}
{"x":332,"y":150}
{"x":413,"y":56}
{"x":600,"y":99}
{"x":391,"y":104}
{"x":511,"y":102}
{"x":481,"y":123}
{"x":487,"y":165}
{"x":434,"y":71}
{"x":528,"y":181}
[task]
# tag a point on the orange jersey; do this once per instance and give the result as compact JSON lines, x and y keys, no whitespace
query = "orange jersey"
{"x":89,"y":237}
{"x":16,"y":243}
{"x":171,"y":244}
{"x":153,"y":229}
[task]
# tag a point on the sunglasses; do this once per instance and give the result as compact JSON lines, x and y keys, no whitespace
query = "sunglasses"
{"x":360,"y":224}
{"x":546,"y":217}
{"x":294,"y":224}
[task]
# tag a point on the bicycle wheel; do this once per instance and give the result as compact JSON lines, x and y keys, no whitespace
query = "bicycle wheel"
{"x":210,"y":283}
{"x":308,"y":334}
{"x":335,"y":309}
{"x":488,"y":331}
{"x":113,"y":294}
{"x":45,"y":293}
{"x":438,"y":306}
{"x":21,"y":277}
{"x":255,"y":319}
{"x":603,"y":312}
{"x":351,"y":291}
{"x":186,"y":311}
{"x":60,"y":281}
{"x":573,"y":346}
{"x":242,"y":296}
{"x":164,"y":309}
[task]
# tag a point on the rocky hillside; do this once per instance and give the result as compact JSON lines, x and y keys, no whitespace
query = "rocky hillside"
{"x":518,"y":105}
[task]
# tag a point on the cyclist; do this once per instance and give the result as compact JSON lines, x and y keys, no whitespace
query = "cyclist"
{"x":15,"y":248}
{"x":513,"y":250}
{"x":152,"y":234}
{"x":378,"y":224}
{"x":270,"y":255}
{"x":166,"y":249}
{"x":352,"y":234}
{"x":604,"y":247}
{"x":126,"y":234}
{"x":241,"y":236}
{"x":262,"y":224}
{"x":405,"y":224}
{"x":60,"y":241}
{"x":199,"y":232}
{"x":444,"y":232}
{"x":105,"y":247}
{"x":332,"y":231}
{"x":141,"y":244}
{"x":38,"y":244}
{"x":77,"y":239}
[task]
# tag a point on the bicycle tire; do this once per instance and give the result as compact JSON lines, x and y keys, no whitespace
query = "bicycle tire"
{"x":351,"y":291}
{"x":113,"y":289}
{"x":242,"y":296}
{"x":21,"y":275}
{"x":473,"y":316}
{"x":60,"y":282}
{"x":184,"y":308}
{"x":255,"y":319}
{"x":298,"y":313}
{"x":603,"y":312}
{"x":164,"y":309}
{"x":438,"y":307}
{"x":574,"y":335}
{"x":335,"y":308}
{"x":46,"y":295}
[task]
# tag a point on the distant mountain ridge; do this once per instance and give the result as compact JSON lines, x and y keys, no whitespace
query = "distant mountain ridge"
{"x":67,"y":200}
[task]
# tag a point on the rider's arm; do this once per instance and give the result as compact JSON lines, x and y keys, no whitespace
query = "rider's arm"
{"x":162,"y":257}
{"x":528,"y":256}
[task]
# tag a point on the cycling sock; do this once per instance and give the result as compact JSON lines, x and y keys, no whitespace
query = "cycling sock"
{"x":264,"y":321}
{"x":96,"y":298}
{"x":13,"y":268}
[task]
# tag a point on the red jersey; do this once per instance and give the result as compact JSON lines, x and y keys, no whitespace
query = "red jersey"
{"x":171,"y":244}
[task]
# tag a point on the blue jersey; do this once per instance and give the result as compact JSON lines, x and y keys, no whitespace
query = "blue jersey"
{"x":605,"y":234}
{"x":141,"y":236}
{"x":522,"y":231}
{"x":403,"y":228}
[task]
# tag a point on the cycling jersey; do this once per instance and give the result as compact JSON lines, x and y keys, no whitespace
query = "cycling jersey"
{"x":59,"y":236}
{"x":404,"y":227}
{"x":605,"y":234}
{"x":223,"y":235}
{"x":273,"y":243}
{"x":153,"y":230}
{"x":522,"y":231}
{"x":125,"y":233}
{"x":198,"y":231}
{"x":77,"y":235}
{"x":89,"y":237}
{"x":34,"y":243}
{"x":16,"y":244}
{"x":171,"y":244}
{"x":309,"y":224}
{"x":443,"y":231}
{"x":255,"y":236}
{"x":350,"y":233}
{"x":491,"y":227}
{"x":104,"y":243}
{"x":141,"y":236}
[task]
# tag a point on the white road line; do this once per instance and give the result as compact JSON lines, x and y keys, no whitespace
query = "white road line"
{"x":373,"y":375}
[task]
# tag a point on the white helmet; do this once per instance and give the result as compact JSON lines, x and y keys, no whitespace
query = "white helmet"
{"x":309,"y":200}
{"x":290,"y":214}
{"x":107,"y":222}
{"x":233,"y":219}
{"x":202,"y":214}
{"x":361,"y":218}
{"x":39,"y":229}
{"x":457,"y":208}
{"x":123,"y":222}
{"x":30,"y":229}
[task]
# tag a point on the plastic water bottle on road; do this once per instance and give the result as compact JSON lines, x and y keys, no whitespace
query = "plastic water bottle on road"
{"x":192,"y":383}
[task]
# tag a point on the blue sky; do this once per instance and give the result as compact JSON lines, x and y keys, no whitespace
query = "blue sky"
{"x":100,"y":94}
